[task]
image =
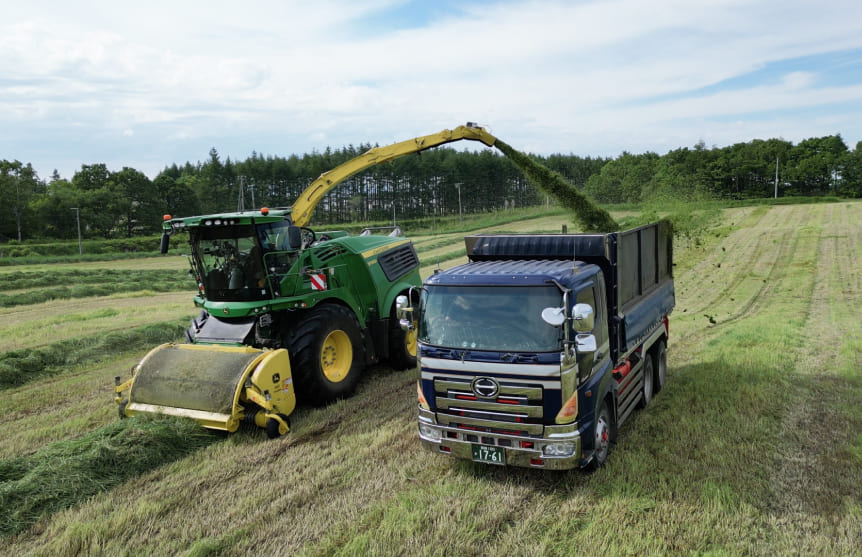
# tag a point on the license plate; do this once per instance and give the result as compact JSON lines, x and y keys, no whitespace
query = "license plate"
{"x":489,"y":454}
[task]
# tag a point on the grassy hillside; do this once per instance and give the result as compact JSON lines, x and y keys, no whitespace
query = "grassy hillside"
{"x":753,"y":447}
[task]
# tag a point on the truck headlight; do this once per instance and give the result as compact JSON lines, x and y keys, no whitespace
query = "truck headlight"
{"x":428,"y":432}
{"x":559,"y":449}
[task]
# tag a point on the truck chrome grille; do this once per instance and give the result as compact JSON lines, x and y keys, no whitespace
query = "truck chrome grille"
{"x":516,"y":409}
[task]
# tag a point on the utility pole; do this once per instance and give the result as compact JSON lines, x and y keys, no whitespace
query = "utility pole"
{"x":776,"y":176}
{"x":460,"y":213}
{"x":240,"y":202}
{"x":18,"y":203}
{"x":78,"y":219}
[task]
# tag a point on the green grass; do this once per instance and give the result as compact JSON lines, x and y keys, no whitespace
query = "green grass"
{"x":22,"y":366}
{"x":14,"y":280}
{"x":68,"y":472}
{"x":81,"y":283}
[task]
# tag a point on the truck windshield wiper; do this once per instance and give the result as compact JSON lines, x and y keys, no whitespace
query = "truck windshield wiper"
{"x":517,"y":358}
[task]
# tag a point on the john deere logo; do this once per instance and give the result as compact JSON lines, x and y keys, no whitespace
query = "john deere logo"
{"x":485,"y":387}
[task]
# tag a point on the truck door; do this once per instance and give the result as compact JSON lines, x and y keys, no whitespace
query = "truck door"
{"x":594,"y":295}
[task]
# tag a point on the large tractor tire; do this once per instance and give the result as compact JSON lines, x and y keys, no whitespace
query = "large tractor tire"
{"x":327,"y":355}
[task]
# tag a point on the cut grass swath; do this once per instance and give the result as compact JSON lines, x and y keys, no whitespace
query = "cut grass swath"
{"x":21,"y":280}
{"x":67,"y":472}
{"x":21,"y":366}
{"x":166,"y":281}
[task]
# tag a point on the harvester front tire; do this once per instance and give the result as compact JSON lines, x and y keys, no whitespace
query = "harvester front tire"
{"x":327,"y":355}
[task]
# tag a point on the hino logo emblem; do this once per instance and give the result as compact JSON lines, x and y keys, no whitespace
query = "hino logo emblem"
{"x":485,"y":387}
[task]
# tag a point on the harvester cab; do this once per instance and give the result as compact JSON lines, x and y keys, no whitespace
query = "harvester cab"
{"x":287,"y":314}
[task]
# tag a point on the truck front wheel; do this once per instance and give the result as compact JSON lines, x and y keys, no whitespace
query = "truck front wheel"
{"x":604,"y":437}
{"x":326,"y":354}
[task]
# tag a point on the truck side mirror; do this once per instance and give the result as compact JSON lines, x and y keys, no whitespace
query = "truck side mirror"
{"x":554,"y":316}
{"x":294,"y":237}
{"x":584,"y":318}
{"x":585,"y":343}
{"x":404,"y":312}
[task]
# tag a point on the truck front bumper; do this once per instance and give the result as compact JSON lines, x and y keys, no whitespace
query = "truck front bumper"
{"x":558,"y":449}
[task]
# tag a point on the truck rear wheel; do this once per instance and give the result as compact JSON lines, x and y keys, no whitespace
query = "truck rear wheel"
{"x":660,"y":356}
{"x":326,"y":354}
{"x":649,"y":381}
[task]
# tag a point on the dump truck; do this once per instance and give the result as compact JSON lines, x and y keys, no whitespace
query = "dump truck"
{"x":287,"y":313}
{"x":538,"y":349}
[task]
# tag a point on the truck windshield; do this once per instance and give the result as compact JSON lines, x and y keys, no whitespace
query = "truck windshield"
{"x":501,"y":318}
{"x":230,"y":263}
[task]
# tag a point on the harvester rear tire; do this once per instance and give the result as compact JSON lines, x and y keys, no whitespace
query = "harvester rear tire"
{"x":327,"y":354}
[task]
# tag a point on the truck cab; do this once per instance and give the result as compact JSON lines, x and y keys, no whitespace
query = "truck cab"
{"x":528,"y":355}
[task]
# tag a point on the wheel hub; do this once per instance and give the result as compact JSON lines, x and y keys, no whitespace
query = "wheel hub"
{"x":336,"y":356}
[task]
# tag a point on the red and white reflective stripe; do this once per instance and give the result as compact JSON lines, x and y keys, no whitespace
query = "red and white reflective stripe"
{"x":318,"y":281}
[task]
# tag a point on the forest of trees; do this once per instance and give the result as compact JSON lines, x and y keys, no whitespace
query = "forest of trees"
{"x":437,"y":182}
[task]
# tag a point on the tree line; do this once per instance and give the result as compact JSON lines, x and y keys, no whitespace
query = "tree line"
{"x":434,"y":183}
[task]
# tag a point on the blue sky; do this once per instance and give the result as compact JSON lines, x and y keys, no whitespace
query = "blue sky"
{"x":153,"y":83}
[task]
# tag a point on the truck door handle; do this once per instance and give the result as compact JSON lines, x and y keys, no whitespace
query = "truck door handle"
{"x":598,"y":357}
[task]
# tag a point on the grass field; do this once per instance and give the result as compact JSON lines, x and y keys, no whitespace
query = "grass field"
{"x":753,"y":448}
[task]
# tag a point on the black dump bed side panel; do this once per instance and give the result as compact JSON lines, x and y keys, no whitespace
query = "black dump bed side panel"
{"x":643,"y":283}
{"x":644,"y":260}
{"x":637,"y":265}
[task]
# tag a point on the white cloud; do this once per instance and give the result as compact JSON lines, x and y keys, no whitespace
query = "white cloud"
{"x":552,"y":76}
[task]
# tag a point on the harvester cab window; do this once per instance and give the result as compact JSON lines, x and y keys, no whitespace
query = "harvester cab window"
{"x":274,"y":236}
{"x":278,"y":255}
{"x":229,"y":258}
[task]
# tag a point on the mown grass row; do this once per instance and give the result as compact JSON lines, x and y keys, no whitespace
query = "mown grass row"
{"x":18,"y":367}
{"x":171,"y":281}
{"x":19,"y":280}
{"x":6,"y":261}
{"x":477,"y":221}
{"x":66,"y":473}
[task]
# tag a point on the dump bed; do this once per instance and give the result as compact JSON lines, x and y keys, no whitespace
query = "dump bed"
{"x":637,"y":265}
